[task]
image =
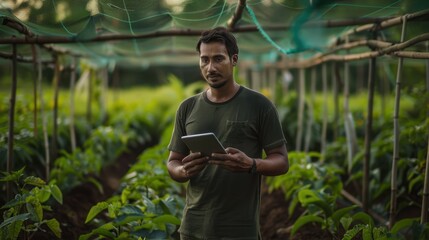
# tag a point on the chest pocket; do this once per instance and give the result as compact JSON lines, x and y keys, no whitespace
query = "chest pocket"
{"x":238,"y":133}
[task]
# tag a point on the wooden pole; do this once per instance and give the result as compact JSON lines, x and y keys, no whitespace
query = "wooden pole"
{"x":368,"y":133}
{"x":301,"y":105}
{"x":42,"y":110}
{"x":72,"y":98}
{"x":89,"y":96}
{"x":12,"y":101}
{"x":33,"y":49}
{"x":425,"y":199}
{"x":325,"y":111}
{"x":336,"y":83}
{"x":310,"y":118}
{"x":348,"y":118}
{"x":55,"y":115}
{"x":393,"y":183}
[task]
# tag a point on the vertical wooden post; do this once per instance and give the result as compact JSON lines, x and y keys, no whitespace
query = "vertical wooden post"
{"x":42,"y":111}
{"x":425,"y":199}
{"x":33,"y":49}
{"x":348,"y":118}
{"x":301,"y":105}
{"x":325,"y":111}
{"x":368,"y":132}
{"x":72,"y":91}
{"x":310,"y":118}
{"x":393,"y":183}
{"x":12,"y":101}
{"x":89,"y":100}
{"x":55,"y":115}
{"x":335,"y":88}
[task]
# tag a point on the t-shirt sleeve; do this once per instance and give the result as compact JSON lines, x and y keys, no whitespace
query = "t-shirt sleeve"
{"x":176,"y":144}
{"x":271,"y":130}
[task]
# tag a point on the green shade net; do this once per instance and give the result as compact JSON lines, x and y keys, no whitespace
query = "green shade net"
{"x":83,"y":20}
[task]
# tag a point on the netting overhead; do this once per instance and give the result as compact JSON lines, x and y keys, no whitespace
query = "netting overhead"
{"x":165,"y":31}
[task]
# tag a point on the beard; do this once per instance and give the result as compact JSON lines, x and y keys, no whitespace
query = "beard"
{"x":217,"y":85}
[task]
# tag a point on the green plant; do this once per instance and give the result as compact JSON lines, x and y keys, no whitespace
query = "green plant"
{"x":103,"y":145}
{"x":149,"y":219}
{"x":26,"y":211}
{"x":321,"y":208}
{"x":149,"y":206}
{"x":408,"y":228}
{"x":304,"y":172}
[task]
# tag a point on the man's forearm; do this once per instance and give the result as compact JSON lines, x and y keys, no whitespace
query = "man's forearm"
{"x":175,"y":169}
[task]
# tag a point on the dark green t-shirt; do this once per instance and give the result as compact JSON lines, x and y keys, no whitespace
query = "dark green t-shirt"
{"x":221,"y":204}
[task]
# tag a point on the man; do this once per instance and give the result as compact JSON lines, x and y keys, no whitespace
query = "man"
{"x":223,"y":192}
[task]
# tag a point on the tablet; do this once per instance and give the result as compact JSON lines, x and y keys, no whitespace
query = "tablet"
{"x":206,"y":143}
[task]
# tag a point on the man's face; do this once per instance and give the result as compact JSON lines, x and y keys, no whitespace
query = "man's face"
{"x":215,"y":64}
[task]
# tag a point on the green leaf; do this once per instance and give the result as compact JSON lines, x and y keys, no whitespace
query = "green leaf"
{"x":35,"y":209}
{"x":54,"y":225}
{"x":364,"y":218}
{"x":43,"y":194}
{"x":379,"y":233}
{"x":166,"y":218}
{"x":18,"y":200}
{"x":367,"y":233}
{"x":57,"y":194}
{"x":94,"y":211}
{"x":346,"y":222}
{"x":304,"y":220}
{"x":351,"y":233}
{"x":35,"y":181}
{"x":104,"y":230}
{"x":97,"y":184}
{"x":20,"y":217}
{"x":404,"y":223}
{"x":12,"y":231}
{"x":307,"y":196}
{"x":14,"y":176}
{"x":338,"y":214}
{"x":127,"y":218}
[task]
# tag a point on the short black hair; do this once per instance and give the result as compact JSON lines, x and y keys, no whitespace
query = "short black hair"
{"x":222,"y":35}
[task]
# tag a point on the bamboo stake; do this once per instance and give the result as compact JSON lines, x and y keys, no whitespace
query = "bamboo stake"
{"x":42,"y":111}
{"x":394,"y":187}
{"x":103,"y":93}
{"x":72,"y":98}
{"x":310,"y":119}
{"x":348,"y":118}
{"x":368,"y":134}
{"x":336,"y":86}
{"x":301,"y":102}
{"x":12,"y":101}
{"x":325,"y":111}
{"x":425,"y":199}
{"x":33,"y":49}
{"x":89,"y":97}
{"x":55,"y":115}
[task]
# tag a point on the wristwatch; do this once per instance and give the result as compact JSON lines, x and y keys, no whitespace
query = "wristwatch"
{"x":253,"y":168}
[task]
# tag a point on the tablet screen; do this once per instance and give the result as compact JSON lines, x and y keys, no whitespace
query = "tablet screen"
{"x":206,"y":143}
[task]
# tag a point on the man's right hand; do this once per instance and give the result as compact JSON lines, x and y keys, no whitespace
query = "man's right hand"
{"x":181,"y":168}
{"x":194,"y":163}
